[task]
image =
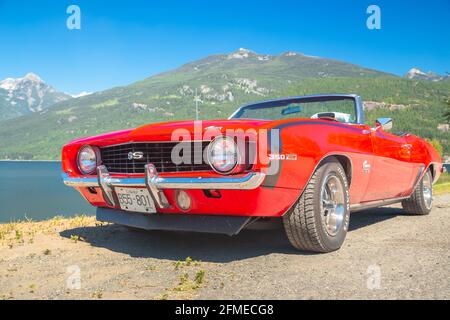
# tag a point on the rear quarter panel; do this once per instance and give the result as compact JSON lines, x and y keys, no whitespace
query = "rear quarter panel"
{"x":424,"y":156}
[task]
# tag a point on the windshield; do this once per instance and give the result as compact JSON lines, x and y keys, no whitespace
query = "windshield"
{"x":331,"y":108}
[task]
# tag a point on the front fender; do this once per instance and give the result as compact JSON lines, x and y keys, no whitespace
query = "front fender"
{"x":314,"y":142}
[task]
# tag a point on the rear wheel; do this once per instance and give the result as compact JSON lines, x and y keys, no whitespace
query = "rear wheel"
{"x":421,"y":200}
{"x":319,"y":219}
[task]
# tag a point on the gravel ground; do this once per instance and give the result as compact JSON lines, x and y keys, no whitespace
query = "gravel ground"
{"x":386,"y":255}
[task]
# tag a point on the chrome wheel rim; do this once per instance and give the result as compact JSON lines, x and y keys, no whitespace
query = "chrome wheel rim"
{"x":332,"y":204}
{"x":427,"y":190}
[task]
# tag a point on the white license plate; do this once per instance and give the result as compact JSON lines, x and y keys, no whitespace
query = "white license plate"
{"x":135,"y":199}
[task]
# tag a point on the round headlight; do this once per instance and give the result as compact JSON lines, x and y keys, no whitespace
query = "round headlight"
{"x":87,"y":160}
{"x":223,"y":154}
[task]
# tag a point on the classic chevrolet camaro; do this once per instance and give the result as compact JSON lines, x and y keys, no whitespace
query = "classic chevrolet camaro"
{"x":306,"y":161}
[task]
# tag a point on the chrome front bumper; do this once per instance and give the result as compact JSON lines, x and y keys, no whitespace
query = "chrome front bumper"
{"x":154,"y":183}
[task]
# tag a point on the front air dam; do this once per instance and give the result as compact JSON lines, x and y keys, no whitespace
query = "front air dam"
{"x":229,"y":225}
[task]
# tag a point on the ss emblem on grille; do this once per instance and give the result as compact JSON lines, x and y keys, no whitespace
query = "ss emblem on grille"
{"x":138,"y":155}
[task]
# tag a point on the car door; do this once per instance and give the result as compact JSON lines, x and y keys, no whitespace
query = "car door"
{"x":392,"y":169}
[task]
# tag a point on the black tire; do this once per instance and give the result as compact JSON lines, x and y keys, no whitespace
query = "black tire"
{"x":421,"y":201}
{"x":305,"y":224}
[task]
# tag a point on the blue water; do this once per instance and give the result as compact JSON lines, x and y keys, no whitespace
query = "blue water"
{"x":34,"y":189}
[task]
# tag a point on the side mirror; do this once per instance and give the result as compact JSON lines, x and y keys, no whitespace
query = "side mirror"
{"x":384,"y":123}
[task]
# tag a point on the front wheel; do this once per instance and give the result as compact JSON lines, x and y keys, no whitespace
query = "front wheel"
{"x":421,"y":200}
{"x":319,"y":219}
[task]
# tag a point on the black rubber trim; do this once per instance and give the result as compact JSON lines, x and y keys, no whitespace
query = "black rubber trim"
{"x":333,"y":124}
{"x":271,"y":180}
{"x":229,"y":225}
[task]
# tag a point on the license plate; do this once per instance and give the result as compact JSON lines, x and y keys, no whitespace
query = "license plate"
{"x":135,"y":199}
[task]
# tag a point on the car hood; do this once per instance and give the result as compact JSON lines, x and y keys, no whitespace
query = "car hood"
{"x":166,"y":128}
{"x":163,"y":131}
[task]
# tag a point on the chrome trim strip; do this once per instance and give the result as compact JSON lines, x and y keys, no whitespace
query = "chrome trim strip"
{"x":375,"y":204}
{"x":250,"y":181}
{"x":199,"y":171}
{"x":83,"y":182}
{"x":157,"y":141}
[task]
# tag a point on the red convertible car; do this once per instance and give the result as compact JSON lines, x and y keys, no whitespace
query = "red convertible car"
{"x":308,"y":161}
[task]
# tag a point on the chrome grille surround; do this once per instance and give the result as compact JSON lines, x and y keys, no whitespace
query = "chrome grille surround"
{"x":116,"y":157}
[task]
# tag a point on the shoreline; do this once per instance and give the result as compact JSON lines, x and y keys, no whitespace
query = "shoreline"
{"x":5,"y":160}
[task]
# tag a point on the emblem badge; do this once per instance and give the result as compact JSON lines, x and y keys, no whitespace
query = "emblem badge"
{"x":366,"y":166}
{"x":138,"y":155}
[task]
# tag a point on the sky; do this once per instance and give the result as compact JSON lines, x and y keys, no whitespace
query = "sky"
{"x":121,"y":42}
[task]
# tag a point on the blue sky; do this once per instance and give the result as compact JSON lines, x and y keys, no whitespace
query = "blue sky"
{"x":124,"y":41}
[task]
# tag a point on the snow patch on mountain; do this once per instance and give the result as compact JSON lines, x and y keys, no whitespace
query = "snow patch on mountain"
{"x":250,"y":86}
{"x":81,"y":94}
{"x":417,"y":74}
{"x":298,"y":54}
{"x":264,"y":58}
{"x":29,"y":94}
{"x":226,"y":92}
{"x":414,"y":72}
{"x":12,"y":84}
{"x":242,"y":53}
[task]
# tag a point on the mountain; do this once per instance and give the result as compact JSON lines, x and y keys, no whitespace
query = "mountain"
{"x":27,"y":95}
{"x":417,"y":74}
{"x":222,"y":83}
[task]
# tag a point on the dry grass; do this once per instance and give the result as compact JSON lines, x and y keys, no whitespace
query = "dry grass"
{"x":21,"y":232}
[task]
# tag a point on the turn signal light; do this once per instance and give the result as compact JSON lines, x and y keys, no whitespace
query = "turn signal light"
{"x":183,"y":200}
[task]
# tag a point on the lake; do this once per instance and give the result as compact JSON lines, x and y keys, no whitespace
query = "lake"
{"x":34,"y":189}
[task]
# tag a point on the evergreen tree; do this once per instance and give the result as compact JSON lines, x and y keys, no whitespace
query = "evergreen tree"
{"x":447,"y":112}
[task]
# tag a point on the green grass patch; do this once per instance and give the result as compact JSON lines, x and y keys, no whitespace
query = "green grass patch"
{"x":442,"y":185}
{"x":444,"y":178}
{"x":441,"y":188}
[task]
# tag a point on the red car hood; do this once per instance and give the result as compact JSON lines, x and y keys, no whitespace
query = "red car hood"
{"x":163,"y":131}
{"x":166,"y":128}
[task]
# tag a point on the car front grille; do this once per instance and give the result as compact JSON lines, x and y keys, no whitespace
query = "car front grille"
{"x":126,"y":158}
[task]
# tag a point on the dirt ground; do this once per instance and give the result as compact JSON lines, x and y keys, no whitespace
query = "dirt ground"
{"x":386,"y":255}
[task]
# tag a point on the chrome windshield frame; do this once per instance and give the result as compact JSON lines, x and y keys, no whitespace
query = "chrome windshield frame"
{"x":358,"y":102}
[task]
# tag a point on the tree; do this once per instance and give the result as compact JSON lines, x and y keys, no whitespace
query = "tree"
{"x":436,"y":145}
{"x":447,"y":112}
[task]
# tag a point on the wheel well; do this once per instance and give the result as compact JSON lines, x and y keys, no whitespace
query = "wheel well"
{"x":432,"y":167}
{"x":345,"y":163}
